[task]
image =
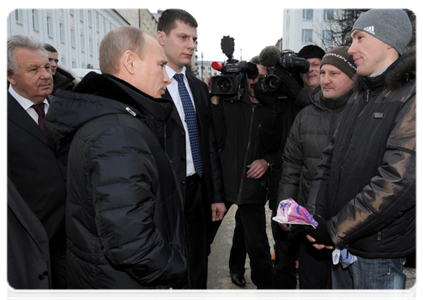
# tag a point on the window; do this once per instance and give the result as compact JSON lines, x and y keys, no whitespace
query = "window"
{"x":73,"y":38}
{"x":18,"y":15}
{"x":90,"y":18}
{"x":49,"y":26}
{"x":82,"y":42}
{"x":327,"y":37}
{"x":91,"y":46}
{"x":97,"y":23}
{"x":62,"y":32}
{"x":307,"y":36}
{"x":35,"y":20}
{"x":307,"y":14}
{"x":328,"y":14}
{"x":81,"y":15}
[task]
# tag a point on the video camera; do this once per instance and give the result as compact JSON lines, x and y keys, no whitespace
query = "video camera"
{"x":229,"y":85}
{"x":272,"y":58}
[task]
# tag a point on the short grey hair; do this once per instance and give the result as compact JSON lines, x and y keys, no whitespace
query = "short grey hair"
{"x":21,"y":41}
{"x":116,"y":42}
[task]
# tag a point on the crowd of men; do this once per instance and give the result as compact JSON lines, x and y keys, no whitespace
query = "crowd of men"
{"x":121,"y":180}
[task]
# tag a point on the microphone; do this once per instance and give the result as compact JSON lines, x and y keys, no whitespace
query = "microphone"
{"x":217,"y":65}
{"x":270,"y":56}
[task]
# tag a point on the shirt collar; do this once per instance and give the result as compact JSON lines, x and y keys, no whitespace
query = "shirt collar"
{"x":24,"y":102}
{"x":171,"y":72}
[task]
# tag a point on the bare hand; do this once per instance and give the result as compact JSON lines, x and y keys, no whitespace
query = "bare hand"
{"x":214,"y":99}
{"x":257,"y":168}
{"x":317,"y":246}
{"x":285,"y":227}
{"x":218,"y":211}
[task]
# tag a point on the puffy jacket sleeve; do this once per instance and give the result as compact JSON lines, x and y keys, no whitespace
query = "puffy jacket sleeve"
{"x":292,"y":164}
{"x":124,"y":188}
{"x":390,"y":192}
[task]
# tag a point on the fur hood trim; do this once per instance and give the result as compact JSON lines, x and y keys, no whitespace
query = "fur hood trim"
{"x":402,"y":71}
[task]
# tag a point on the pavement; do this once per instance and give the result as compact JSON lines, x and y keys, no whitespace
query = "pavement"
{"x":218,"y":275}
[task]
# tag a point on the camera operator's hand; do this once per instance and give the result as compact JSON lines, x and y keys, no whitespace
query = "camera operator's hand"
{"x":213,"y":99}
{"x":267,"y":99}
{"x":289,"y":86}
{"x":257,"y":169}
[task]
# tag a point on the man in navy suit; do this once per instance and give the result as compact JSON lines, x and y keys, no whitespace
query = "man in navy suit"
{"x":202,"y":187}
{"x":34,"y":166}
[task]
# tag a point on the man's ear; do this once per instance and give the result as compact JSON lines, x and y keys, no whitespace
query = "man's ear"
{"x":129,"y":61}
{"x":161,"y":37}
{"x":11,"y":77}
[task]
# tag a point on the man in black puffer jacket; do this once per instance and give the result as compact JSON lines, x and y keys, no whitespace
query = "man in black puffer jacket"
{"x":364,"y":193}
{"x":310,"y":134}
{"x":124,"y":214}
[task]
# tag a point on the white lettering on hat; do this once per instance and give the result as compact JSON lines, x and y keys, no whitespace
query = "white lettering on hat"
{"x":343,"y":58}
{"x":369,"y":29}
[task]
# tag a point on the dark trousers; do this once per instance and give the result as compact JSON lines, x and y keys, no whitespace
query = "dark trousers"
{"x":314,"y":265}
{"x":58,"y":270}
{"x":197,"y":217}
{"x":250,"y":238}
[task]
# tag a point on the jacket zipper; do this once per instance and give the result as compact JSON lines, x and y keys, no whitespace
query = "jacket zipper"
{"x":367,"y":101}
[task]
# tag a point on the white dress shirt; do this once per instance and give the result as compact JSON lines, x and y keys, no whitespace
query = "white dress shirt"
{"x":174,"y":93}
{"x":27,"y":104}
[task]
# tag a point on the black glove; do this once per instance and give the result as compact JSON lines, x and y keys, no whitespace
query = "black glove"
{"x":320,"y":234}
{"x":289,"y":86}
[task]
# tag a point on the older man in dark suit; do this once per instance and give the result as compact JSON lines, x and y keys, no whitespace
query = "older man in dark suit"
{"x":193,"y":150}
{"x":34,"y":166}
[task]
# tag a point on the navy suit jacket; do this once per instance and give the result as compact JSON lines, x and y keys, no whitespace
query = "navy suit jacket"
{"x":35,"y":170}
{"x":212,"y":176}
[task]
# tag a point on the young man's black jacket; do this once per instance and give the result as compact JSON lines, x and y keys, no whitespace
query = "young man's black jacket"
{"x":124,"y":213}
{"x":366,"y":184}
{"x":242,"y":134}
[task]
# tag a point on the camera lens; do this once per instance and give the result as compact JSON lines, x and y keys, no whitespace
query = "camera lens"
{"x":224,"y":84}
{"x":271,"y":83}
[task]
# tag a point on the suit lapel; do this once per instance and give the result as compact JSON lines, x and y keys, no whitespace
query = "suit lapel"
{"x":17,"y":115}
{"x":175,"y":114}
{"x":196,"y":93}
{"x":26,"y":216}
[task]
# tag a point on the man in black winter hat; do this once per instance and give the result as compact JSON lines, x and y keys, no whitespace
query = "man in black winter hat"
{"x":364,"y":193}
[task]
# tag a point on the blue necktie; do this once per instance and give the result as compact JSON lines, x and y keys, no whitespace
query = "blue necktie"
{"x":191,"y":120}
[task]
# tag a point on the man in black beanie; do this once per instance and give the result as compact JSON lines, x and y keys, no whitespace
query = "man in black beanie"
{"x":308,"y":137}
{"x":364,"y":193}
{"x":314,"y":55}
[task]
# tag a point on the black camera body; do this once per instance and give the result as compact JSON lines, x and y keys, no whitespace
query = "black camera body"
{"x":228,"y":84}
{"x":290,"y":63}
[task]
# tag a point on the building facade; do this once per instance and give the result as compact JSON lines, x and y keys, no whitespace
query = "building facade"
{"x":302,"y":27}
{"x":141,"y":18}
{"x":75,"y":33}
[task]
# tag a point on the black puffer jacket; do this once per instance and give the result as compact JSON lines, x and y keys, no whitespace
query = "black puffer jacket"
{"x":242,"y":137}
{"x":366,"y":184}
{"x":310,"y":134}
{"x":124,"y":209}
